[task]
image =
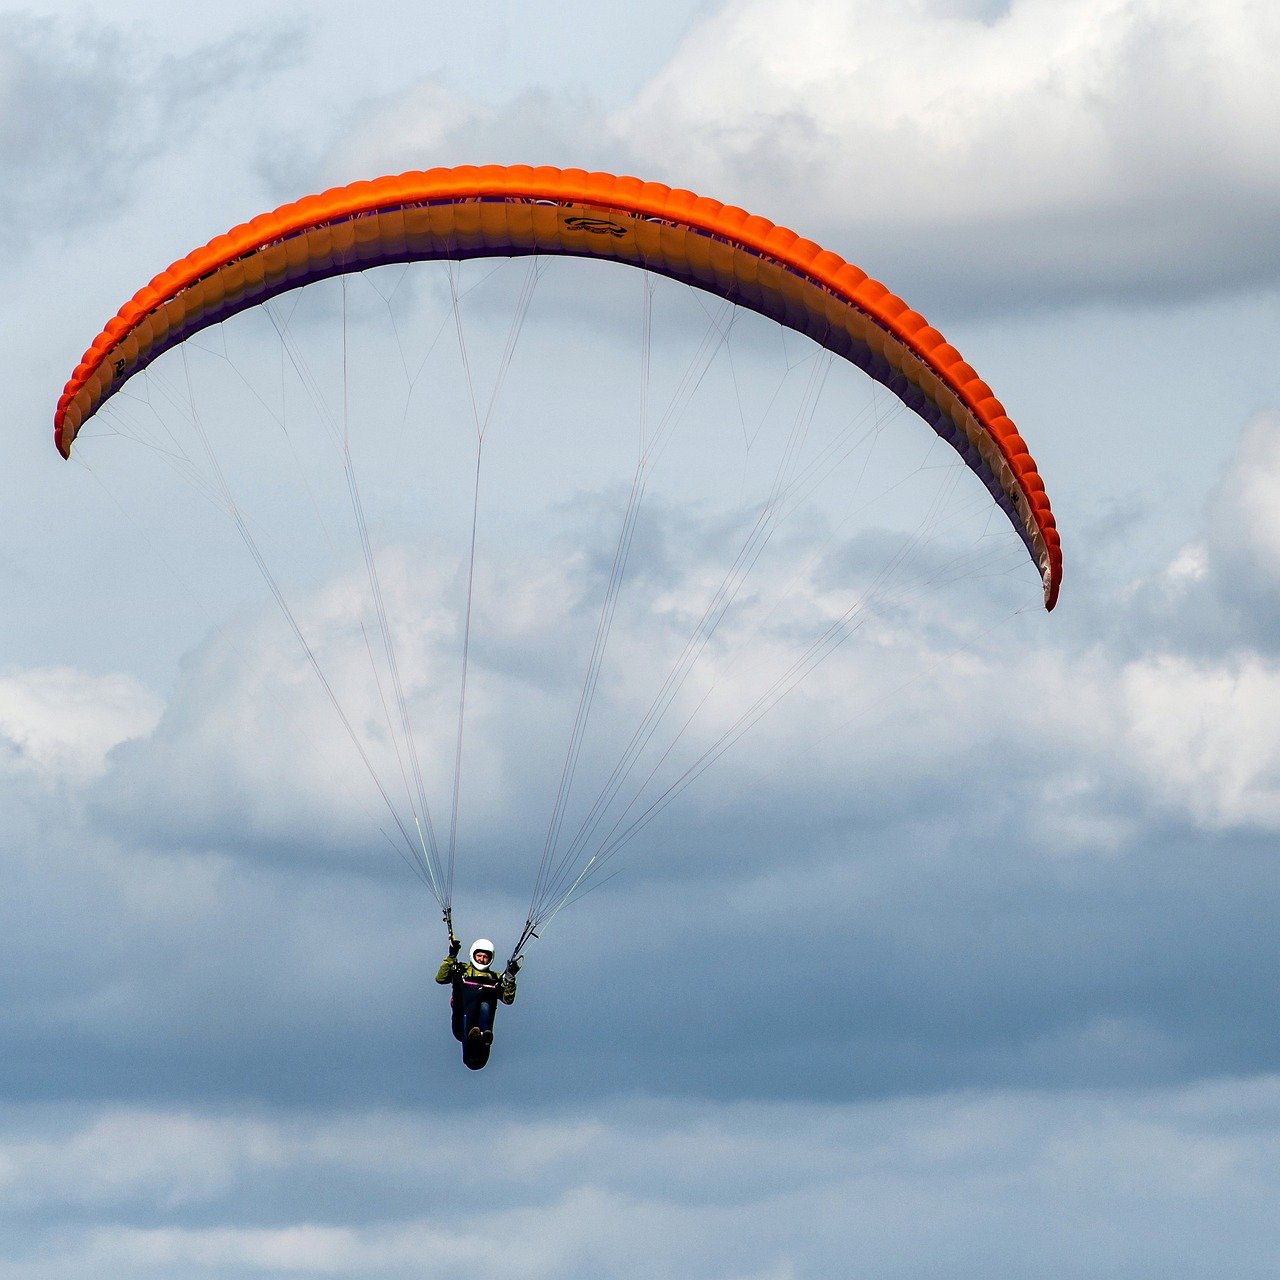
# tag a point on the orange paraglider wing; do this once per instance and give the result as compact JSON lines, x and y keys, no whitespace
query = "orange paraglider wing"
{"x":496,"y":211}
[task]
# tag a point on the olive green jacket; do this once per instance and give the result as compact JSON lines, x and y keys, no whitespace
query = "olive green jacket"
{"x":462,"y":970}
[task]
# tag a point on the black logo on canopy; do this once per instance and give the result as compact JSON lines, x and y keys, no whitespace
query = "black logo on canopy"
{"x":595,"y":226}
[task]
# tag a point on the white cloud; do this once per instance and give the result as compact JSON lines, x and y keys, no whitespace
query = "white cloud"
{"x":1219,"y":592}
{"x":61,"y":723}
{"x":251,"y":747}
{"x":1158,"y":736}
{"x":1244,"y":510}
{"x":1207,"y":737}
{"x":170,"y":1159}
{"x":1078,"y":748}
{"x":1056,"y":148}
{"x":1051,"y":107}
{"x":422,"y":122}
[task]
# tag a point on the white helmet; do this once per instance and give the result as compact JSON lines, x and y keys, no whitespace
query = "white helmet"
{"x":482,"y":944}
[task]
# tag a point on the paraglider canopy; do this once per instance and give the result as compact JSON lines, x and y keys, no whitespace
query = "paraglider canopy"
{"x":497,"y":210}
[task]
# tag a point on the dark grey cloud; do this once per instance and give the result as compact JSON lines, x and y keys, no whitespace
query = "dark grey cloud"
{"x":1065,"y":1184}
{"x":903,"y":908}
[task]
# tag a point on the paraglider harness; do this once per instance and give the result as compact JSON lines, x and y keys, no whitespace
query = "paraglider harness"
{"x":469,"y":992}
{"x":472,"y":988}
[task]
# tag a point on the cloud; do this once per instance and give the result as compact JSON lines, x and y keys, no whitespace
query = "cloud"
{"x":251,"y":753}
{"x":84,"y":107}
{"x":1217,"y":595}
{"x":970,"y":827}
{"x":65,"y":107}
{"x":1239,"y":557}
{"x":1243,"y":510}
{"x":1002,"y":1180}
{"x":429,"y":125}
{"x":1206,"y":739}
{"x":982,"y":157}
{"x":1086,"y":148}
{"x":969,"y":822}
{"x":60,"y":724}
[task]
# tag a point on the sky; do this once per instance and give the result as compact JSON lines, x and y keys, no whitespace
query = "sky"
{"x":961,"y":963}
